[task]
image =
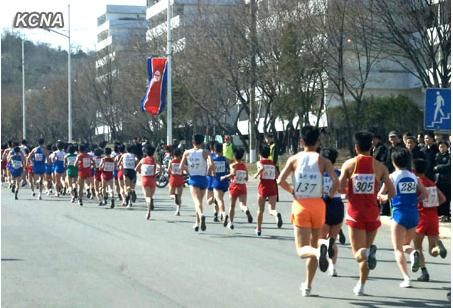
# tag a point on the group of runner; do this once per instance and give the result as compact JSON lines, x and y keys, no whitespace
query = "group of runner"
{"x":316,"y":187}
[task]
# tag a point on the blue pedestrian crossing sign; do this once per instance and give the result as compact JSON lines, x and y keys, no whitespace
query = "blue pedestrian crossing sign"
{"x":438,"y":109}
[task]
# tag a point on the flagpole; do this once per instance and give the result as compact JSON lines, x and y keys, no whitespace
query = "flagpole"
{"x":169,"y":60}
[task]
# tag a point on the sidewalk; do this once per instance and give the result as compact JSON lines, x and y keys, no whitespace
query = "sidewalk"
{"x":444,"y":228}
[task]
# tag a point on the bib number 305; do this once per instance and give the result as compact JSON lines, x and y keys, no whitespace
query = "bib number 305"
{"x":363,"y":184}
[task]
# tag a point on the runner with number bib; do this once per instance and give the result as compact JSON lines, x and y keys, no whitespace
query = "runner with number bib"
{"x":97,"y":176}
{"x":37,"y":158}
{"x":176,"y":181}
{"x":428,"y":224}
{"x":84,"y":164}
{"x":72,"y":171}
{"x":267,"y":188}
{"x":222,"y":168}
{"x":404,"y":212}
{"x":147,"y":168}
{"x":17,"y":162}
{"x":107,"y":167}
{"x":359,"y":179}
{"x":308,"y":209}
{"x":59,"y":168}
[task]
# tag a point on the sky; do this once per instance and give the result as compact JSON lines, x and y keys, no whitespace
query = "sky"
{"x":83,"y":18}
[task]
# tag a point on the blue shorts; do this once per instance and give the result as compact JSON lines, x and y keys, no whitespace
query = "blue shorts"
{"x":198,"y":181}
{"x":49,"y":169}
{"x":16,"y":172}
{"x":59,"y":169}
{"x":210,"y":180}
{"x":39,"y":170}
{"x":407,"y":217}
{"x":220,"y":185}
{"x":334,"y":211}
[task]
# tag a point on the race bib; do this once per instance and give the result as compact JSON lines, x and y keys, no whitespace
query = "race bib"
{"x":16,"y":164}
{"x":220,"y":166}
{"x":433,"y":199}
{"x":196,"y":167}
{"x":175,"y":168}
{"x":308,"y":185}
{"x":86,"y":162}
{"x":239,"y":177}
{"x":97,"y":162}
{"x":129,"y":163}
{"x":60,"y":157}
{"x":407,"y":187}
{"x":148,"y":170}
{"x":326,"y":184}
{"x":108,"y":166}
{"x":39,"y":157}
{"x":71,"y":160}
{"x":268,"y":172}
{"x":363,"y":184}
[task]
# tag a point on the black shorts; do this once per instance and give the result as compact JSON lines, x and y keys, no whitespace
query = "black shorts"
{"x":130,"y":174}
{"x":334,"y":211}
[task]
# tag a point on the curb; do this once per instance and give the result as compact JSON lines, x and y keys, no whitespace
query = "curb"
{"x":444,"y":228}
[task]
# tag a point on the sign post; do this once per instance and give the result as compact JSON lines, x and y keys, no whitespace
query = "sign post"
{"x":438,"y":109}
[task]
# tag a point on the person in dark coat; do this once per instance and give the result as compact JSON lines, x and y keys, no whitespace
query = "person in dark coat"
{"x":395,"y":143}
{"x":411,"y":145}
{"x":442,"y":175}
{"x":430,"y":150}
{"x":379,"y":150}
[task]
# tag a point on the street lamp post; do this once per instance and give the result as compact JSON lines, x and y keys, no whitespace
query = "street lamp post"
{"x":68,"y":36}
{"x":24,"y":128}
{"x":169,"y":58}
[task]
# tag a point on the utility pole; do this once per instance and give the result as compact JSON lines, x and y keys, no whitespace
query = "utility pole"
{"x":24,"y":127}
{"x":169,"y":58}
{"x":253,"y":46}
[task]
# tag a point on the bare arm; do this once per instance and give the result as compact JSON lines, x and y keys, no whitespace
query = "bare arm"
{"x":259,"y":170}
{"x":287,"y":170}
{"x":422,"y":190}
{"x":331,"y":172}
{"x":344,"y":176}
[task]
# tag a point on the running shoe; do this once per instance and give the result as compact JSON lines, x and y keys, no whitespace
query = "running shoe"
{"x":101,"y":203}
{"x":216,"y":217}
{"x":341,"y":237}
{"x":129,"y":205}
{"x":13,"y":188}
{"x":15,"y":195}
{"x":203,"y":223}
{"x":258,"y":232}
{"x":249,"y":216}
{"x":80,"y":202}
{"x":134,"y":196}
{"x":423,"y":277}
{"x":442,"y":250}
{"x":322,"y":259}
{"x":279,"y":220}
{"x":230,"y":226}
{"x":415,"y":260}
{"x":195,"y":228}
{"x":177,"y":213}
{"x":112,"y":203}
{"x":225,"y":221}
{"x":148,"y":215}
{"x":304,"y":290}
{"x":88,"y":193}
{"x":371,"y":257}
{"x":64,"y":191}
{"x":359,"y":289}
{"x":406,"y":283}
{"x":330,"y":250}
{"x":332,"y":272}
{"x":39,"y":196}
{"x":73,"y":199}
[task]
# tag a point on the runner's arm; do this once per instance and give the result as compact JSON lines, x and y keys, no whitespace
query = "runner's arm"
{"x":441,"y":196}
{"x":344,"y":177}
{"x":331,"y":172}
{"x":259,"y":170}
{"x":287,"y":170}
{"x":423,"y":192}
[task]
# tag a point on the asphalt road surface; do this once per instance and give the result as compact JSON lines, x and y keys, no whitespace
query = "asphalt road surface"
{"x":57,"y":254}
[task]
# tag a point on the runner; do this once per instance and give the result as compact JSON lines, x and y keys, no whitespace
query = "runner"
{"x":4,"y":162}
{"x":176,"y":181}
{"x":72,"y":171}
{"x":210,"y":190}
{"x":59,"y":169}
{"x":97,"y":176}
{"x":222,"y":168}
{"x":238,"y":188}
{"x":147,"y":168}
{"x":84,"y":164}
{"x":334,"y":210}
{"x":49,"y":168}
{"x":17,"y":162}
{"x":106,"y":168}
{"x":228,"y":148}
{"x":119,"y":181}
{"x":128,"y":161}
{"x":308,"y":209}
{"x":359,"y":179}
{"x":404,"y":212}
{"x":429,"y":220}
{"x":267,"y":189}
{"x":198,"y":162}
{"x":37,"y":158}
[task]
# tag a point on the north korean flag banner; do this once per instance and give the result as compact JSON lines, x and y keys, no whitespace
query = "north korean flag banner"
{"x":156,"y":92}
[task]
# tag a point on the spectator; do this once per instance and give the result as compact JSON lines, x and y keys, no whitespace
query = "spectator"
{"x":430,"y":150}
{"x":273,"y":148}
{"x":379,"y":151}
{"x":228,"y":148}
{"x":420,"y":140}
{"x":442,"y":174}
{"x":182,"y":145}
{"x":395,"y":142}
{"x":411,"y":145}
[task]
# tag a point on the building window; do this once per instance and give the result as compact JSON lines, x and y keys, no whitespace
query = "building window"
{"x":101,"y":19}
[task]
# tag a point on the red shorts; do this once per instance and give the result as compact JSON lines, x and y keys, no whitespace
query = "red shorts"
{"x":85,"y":173}
{"x":237,"y":190}
{"x":428,"y":223}
{"x":267,"y":189}
{"x":120,"y":175}
{"x":368,"y":226}
{"x":176,"y":181}
{"x":30,"y":169}
{"x":4,"y":164}
{"x":97,"y":176}
{"x":149,"y":181}
{"x":107,"y":176}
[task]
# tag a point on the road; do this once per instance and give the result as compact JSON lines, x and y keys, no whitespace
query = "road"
{"x":57,"y":254}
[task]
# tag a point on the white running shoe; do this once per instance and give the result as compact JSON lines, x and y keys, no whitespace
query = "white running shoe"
{"x":406,"y":283}
{"x":359,"y":289}
{"x":304,"y":290}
